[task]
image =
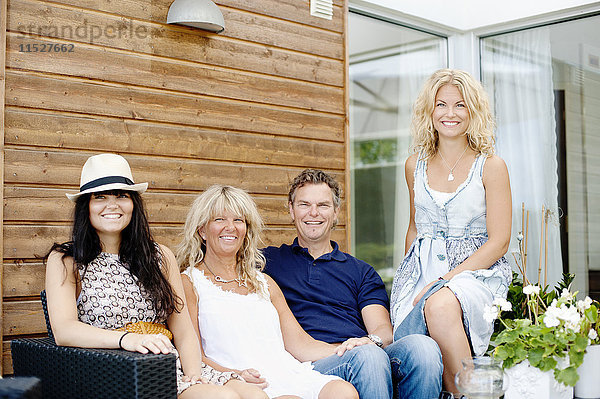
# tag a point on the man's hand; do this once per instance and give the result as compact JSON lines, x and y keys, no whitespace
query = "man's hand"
{"x":351,"y":343}
{"x":252,"y":376}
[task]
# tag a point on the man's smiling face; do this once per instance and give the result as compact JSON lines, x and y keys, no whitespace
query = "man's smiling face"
{"x":313,"y":213}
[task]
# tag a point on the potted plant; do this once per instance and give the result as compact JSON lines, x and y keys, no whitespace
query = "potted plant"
{"x":587,"y":386}
{"x":542,"y":336}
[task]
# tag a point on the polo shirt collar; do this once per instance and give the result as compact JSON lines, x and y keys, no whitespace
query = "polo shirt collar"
{"x":336,"y":254}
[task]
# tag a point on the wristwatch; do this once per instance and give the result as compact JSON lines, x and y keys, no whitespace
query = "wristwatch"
{"x":376,"y":340}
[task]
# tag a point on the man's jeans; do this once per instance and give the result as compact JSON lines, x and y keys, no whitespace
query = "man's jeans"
{"x":416,"y":365}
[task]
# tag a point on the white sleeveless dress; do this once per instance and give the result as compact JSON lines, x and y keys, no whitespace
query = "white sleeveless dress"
{"x":450,"y":228}
{"x":243,"y":331}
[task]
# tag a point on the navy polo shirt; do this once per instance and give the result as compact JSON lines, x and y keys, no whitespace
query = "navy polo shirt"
{"x":326,"y":294}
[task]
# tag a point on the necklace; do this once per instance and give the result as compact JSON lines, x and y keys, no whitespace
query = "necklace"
{"x":241,"y":283}
{"x":450,"y":175}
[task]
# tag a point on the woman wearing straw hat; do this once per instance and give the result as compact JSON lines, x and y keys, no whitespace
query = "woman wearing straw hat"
{"x":112,"y":275}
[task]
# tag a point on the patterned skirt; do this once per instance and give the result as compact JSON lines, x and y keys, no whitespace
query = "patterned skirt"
{"x":428,"y":259}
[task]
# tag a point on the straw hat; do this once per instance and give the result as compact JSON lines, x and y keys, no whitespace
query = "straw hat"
{"x":106,"y":172}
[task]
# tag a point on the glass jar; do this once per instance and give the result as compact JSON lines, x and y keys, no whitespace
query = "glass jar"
{"x":481,"y":377}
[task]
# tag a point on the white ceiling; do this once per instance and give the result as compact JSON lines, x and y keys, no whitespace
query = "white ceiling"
{"x":467,"y":15}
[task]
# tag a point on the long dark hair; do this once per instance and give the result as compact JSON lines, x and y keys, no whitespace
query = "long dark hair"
{"x":138,"y":250}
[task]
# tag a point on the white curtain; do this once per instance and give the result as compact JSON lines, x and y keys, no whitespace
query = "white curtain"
{"x":517,"y":73}
{"x":415,"y":67}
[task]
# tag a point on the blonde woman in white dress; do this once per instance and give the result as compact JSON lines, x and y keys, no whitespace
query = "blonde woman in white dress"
{"x":239,"y":313}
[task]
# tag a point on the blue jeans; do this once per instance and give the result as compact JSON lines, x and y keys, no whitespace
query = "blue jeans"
{"x":367,"y":367}
{"x":417,"y":367}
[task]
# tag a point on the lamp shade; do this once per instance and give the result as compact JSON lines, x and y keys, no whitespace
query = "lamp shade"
{"x":202,"y":14}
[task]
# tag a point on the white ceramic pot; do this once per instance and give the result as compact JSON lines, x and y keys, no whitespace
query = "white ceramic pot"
{"x":588,"y":386}
{"x":527,"y":382}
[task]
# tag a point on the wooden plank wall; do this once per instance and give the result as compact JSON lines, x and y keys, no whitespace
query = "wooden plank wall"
{"x":3,"y":8}
{"x":250,"y":107}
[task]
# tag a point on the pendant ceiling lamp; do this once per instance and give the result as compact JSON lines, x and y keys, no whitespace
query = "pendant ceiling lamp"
{"x":202,"y":14}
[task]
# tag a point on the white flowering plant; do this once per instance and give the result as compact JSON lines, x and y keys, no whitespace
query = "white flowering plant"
{"x":544,"y":327}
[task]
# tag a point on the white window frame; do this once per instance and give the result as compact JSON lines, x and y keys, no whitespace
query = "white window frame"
{"x":464,"y":46}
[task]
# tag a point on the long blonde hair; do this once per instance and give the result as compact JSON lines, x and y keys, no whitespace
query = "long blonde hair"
{"x":480,"y":132}
{"x":214,"y":201}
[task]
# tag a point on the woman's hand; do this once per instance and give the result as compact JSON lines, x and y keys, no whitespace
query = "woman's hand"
{"x":423,"y":291}
{"x":194,"y":379}
{"x":351,"y":343}
{"x":252,"y":376}
{"x":144,"y":343}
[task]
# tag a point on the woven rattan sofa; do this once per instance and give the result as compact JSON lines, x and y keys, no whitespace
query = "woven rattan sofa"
{"x":68,"y":372}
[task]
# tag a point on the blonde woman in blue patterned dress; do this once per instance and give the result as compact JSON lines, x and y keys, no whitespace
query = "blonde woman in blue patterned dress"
{"x":112,"y":273}
{"x":460,"y":222}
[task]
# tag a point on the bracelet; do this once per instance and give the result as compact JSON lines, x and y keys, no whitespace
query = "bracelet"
{"x":121,"y":340}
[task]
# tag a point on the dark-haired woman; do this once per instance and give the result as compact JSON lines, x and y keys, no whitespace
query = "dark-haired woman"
{"x":113,"y":273}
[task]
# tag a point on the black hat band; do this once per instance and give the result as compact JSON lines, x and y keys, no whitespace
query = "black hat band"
{"x":106,"y":180}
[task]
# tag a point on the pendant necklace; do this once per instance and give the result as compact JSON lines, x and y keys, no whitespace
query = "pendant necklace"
{"x":451,"y":175}
{"x":241,"y":283}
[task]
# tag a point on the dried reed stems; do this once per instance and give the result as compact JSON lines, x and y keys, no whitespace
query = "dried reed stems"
{"x":523,"y":238}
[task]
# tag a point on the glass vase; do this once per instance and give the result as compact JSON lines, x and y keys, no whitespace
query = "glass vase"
{"x":481,"y":377}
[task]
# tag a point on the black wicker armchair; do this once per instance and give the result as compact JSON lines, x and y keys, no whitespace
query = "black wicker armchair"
{"x":68,"y":372}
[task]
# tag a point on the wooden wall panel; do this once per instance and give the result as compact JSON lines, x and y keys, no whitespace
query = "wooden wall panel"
{"x":3,"y":9}
{"x":245,"y":25}
{"x":177,"y":75}
{"x":24,"y":317}
{"x":63,"y":168}
{"x":170,"y":41}
{"x":240,"y":24}
{"x":24,"y":127}
{"x":6,"y":358}
{"x":23,"y":279}
{"x":291,"y":10}
{"x":99,"y":98}
{"x":288,"y":10}
{"x":250,"y":107}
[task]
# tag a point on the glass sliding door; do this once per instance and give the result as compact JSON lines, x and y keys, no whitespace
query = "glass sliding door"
{"x":388,"y":65}
{"x":544,"y":84}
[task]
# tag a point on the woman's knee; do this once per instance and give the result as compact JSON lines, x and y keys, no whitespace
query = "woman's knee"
{"x":245,"y":390}
{"x":338,"y":389}
{"x":442,"y":305}
{"x":205,"y":391}
{"x":258,"y":394}
{"x":229,"y":394}
{"x":255,"y":394}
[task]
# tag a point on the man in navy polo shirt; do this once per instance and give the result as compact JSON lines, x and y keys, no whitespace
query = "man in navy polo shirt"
{"x":340,"y":299}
